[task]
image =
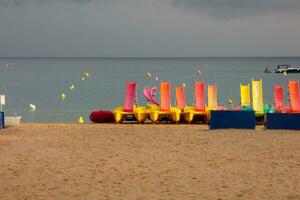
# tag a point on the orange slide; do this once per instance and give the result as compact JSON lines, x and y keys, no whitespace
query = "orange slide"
{"x":278,"y":98}
{"x":212,"y":92}
{"x":199,"y":110}
{"x":165,"y":110}
{"x":180,"y":97}
{"x":294,"y":95}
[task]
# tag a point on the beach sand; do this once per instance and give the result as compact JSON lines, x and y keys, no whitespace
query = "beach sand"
{"x":108,"y":161}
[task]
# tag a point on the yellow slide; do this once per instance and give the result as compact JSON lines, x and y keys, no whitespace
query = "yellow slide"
{"x":245,"y":95}
{"x":257,"y":97}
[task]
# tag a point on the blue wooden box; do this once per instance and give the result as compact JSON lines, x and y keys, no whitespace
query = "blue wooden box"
{"x":225,"y":119}
{"x":1,"y":120}
{"x":289,"y":121}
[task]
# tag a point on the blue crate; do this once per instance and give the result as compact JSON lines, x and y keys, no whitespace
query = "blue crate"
{"x":1,"y":120}
{"x":225,"y":119}
{"x":289,"y":121}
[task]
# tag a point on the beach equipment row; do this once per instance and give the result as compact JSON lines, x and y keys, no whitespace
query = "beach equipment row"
{"x":200,"y":111}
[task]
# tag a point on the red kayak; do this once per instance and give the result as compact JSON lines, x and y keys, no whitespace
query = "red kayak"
{"x":102,"y":116}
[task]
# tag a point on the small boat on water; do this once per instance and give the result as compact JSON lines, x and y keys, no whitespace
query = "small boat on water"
{"x":12,"y":121}
{"x":287,"y":69}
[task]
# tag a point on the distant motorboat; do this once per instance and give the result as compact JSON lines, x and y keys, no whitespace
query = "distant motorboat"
{"x":287,"y":69}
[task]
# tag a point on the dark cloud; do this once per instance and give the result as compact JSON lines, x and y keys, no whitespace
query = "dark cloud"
{"x":239,"y":8}
{"x":23,"y":2}
{"x":221,"y":9}
{"x":148,"y":28}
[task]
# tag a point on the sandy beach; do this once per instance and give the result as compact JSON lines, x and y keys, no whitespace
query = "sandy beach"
{"x":91,"y":161}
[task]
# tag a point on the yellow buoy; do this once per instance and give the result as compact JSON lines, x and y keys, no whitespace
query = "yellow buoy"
{"x":284,"y":73}
{"x":198,"y":72}
{"x":72,"y":87}
{"x":148,"y":74}
{"x":82,"y":78}
{"x":6,"y":65}
{"x":87,"y":74}
{"x":62,"y":96}
{"x":229,"y":101}
{"x":32,"y":107}
{"x":183,"y":84}
{"x":80,"y":120}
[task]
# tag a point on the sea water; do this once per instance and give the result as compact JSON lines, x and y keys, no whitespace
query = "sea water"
{"x":40,"y":81}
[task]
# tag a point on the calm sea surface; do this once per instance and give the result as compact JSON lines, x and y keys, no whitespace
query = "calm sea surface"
{"x":41,"y":81}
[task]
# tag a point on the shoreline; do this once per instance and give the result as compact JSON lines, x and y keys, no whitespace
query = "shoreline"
{"x":202,"y":127}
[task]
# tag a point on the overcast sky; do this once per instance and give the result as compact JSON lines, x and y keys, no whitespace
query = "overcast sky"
{"x":149,"y":28}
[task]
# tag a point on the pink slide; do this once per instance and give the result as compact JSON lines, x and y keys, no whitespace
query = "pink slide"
{"x":149,"y":93}
{"x":131,"y":89}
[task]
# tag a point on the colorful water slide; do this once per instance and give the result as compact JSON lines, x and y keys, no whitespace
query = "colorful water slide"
{"x":212,"y":93}
{"x":278,"y":98}
{"x":129,"y":110}
{"x":200,"y":104}
{"x":293,"y":86}
{"x":257,"y":97}
{"x":153,"y":91}
{"x":165,"y":111}
{"x":199,"y":110}
{"x":131,"y":90}
{"x":180,"y":97}
{"x":165,"y":96}
{"x":149,"y":95}
{"x":245,"y":95}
